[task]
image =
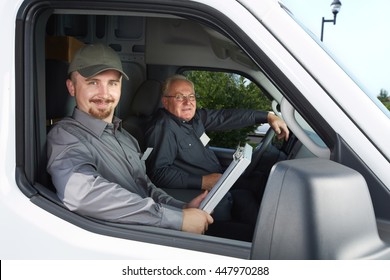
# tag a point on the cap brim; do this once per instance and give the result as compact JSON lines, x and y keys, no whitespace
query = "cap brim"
{"x":91,"y":71}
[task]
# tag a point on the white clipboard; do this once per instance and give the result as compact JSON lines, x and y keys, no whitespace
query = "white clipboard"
{"x":241,"y":159}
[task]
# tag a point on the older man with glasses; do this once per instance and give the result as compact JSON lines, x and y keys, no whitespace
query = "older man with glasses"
{"x":180,"y":157}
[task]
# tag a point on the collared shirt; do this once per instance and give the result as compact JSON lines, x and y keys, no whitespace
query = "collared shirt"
{"x":97,"y":171}
{"x":179,"y":158}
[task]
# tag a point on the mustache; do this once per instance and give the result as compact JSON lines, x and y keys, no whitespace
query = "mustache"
{"x":101,"y":100}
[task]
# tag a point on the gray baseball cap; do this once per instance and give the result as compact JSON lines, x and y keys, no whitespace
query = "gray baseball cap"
{"x":93,"y":59}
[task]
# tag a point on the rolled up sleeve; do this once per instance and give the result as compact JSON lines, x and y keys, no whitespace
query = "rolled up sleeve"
{"x":83,"y":189}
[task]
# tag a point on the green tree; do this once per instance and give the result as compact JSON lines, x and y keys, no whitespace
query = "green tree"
{"x":383,"y":95}
{"x":384,"y":98}
{"x":218,"y":90}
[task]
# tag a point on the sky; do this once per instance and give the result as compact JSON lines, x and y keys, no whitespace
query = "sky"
{"x":360,"y":39}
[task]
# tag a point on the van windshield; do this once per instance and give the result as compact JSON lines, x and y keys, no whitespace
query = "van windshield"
{"x":364,"y":67}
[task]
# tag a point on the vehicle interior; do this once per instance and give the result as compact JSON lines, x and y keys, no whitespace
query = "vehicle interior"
{"x":153,"y":44}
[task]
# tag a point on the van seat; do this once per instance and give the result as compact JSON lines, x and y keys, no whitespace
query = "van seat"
{"x":145,"y":103}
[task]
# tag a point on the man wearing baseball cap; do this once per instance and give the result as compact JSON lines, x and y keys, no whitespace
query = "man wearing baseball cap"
{"x":95,"y":165}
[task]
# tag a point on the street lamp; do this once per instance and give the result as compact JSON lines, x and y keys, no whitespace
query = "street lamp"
{"x":335,"y":6}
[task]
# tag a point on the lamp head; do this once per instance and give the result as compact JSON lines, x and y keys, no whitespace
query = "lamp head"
{"x":335,"y":6}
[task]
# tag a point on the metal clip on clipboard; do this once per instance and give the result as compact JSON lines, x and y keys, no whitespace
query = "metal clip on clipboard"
{"x":239,"y":153}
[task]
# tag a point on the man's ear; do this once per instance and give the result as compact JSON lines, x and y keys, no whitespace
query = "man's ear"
{"x":70,"y":86}
{"x":164,"y":102}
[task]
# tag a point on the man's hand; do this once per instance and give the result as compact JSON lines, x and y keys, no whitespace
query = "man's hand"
{"x":196,"y":201}
{"x":278,"y":125}
{"x":208,"y":181}
{"x":196,"y":220}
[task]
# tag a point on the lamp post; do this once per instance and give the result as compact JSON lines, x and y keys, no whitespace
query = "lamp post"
{"x":335,"y":6}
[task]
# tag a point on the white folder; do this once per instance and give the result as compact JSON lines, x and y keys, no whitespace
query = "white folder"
{"x":241,"y":159}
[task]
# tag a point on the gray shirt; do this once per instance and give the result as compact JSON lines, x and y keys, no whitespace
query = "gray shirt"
{"x":97,"y":170}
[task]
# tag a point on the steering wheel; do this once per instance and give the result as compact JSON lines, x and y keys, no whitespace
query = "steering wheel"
{"x":259,"y":150}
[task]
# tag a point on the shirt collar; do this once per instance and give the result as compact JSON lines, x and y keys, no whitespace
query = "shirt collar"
{"x":95,"y":125}
{"x":179,"y":120}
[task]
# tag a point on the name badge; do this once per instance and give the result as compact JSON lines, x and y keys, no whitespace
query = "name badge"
{"x":146,"y":153}
{"x":204,"y":139}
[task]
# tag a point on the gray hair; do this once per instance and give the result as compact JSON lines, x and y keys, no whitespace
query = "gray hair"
{"x":174,"y":78}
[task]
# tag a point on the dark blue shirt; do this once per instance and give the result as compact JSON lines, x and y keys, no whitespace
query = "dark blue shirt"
{"x":179,"y":158}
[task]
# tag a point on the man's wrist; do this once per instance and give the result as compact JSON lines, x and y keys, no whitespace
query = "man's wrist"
{"x":270,"y":116}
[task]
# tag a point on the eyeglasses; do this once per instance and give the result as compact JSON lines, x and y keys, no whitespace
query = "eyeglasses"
{"x":181,"y":97}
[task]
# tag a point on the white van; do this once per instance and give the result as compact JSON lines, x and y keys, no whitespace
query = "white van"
{"x":328,"y":189}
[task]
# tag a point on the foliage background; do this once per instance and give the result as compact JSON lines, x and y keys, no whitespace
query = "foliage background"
{"x":218,"y":90}
{"x":384,"y":98}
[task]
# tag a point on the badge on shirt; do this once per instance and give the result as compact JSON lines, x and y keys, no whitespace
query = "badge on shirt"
{"x":204,"y":139}
{"x":146,"y":153}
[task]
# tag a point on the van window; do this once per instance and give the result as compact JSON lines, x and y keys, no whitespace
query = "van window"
{"x":224,"y":90}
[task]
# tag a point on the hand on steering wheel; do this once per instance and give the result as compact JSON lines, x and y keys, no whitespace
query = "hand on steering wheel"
{"x":259,"y":150}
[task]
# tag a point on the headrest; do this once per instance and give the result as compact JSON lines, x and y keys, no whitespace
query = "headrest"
{"x":147,"y":98}
{"x":59,"y":103}
{"x":60,"y":51}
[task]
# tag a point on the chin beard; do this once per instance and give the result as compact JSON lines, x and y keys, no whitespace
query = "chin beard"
{"x":100,"y":114}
